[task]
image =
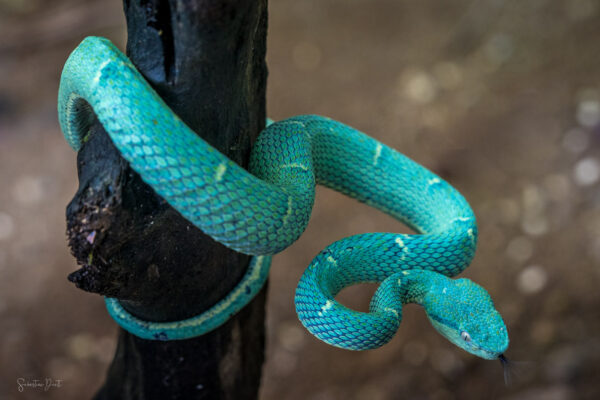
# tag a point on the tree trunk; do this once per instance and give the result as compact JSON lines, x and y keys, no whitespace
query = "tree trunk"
{"x":206,"y":59}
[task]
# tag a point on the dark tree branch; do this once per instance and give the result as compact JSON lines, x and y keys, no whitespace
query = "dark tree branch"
{"x":206,"y":59}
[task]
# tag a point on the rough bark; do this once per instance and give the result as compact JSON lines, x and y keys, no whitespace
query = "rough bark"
{"x":206,"y":58}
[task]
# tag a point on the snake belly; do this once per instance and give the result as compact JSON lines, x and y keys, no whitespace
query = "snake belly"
{"x":263,"y":211}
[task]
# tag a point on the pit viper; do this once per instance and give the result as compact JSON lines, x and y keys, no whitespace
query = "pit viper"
{"x":264,"y":210}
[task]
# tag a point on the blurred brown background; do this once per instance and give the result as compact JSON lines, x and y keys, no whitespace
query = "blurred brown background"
{"x":502,"y":98}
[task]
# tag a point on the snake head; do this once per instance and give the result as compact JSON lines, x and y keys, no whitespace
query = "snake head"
{"x":464,"y":313}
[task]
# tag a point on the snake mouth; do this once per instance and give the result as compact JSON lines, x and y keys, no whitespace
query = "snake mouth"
{"x":483,"y":352}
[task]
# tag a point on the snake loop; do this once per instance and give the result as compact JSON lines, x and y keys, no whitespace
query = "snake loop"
{"x":263,"y":211}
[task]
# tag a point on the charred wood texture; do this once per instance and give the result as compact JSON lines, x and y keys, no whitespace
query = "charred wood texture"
{"x":206,"y":59}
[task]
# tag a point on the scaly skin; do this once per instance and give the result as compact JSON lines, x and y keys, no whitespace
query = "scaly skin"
{"x":263,"y":211}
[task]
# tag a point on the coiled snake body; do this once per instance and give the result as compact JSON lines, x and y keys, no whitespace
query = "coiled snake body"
{"x":263,"y":212}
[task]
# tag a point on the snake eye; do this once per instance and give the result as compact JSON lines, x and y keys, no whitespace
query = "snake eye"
{"x":465,"y":336}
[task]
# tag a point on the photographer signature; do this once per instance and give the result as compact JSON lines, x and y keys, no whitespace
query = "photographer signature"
{"x":39,"y":384}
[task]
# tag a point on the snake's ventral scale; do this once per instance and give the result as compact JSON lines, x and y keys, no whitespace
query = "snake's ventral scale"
{"x":264,"y":210}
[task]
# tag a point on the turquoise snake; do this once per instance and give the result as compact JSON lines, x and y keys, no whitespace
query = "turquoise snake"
{"x":264,"y":210}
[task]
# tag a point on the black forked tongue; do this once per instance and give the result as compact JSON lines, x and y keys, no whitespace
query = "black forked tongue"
{"x":506,"y":364}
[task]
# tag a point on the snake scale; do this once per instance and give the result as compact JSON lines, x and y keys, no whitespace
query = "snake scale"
{"x":263,"y":211}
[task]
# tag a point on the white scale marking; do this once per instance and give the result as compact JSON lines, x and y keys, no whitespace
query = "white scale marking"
{"x":289,"y":211}
{"x":470,"y":233}
{"x":433,"y":181}
{"x":325,"y":307}
{"x":377,"y":153}
{"x":332,"y":260}
{"x":295,"y":165}
{"x":460,"y":219}
{"x":294,"y":122}
{"x":389,"y":309}
{"x":220,"y":172}
{"x":99,"y":73}
{"x":401,"y":244}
